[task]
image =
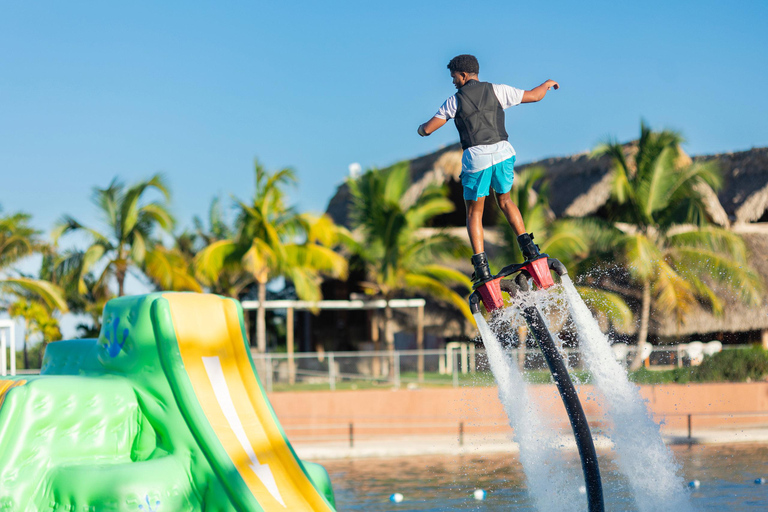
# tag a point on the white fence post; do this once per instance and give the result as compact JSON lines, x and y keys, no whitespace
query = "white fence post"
{"x":3,"y":362}
{"x":455,"y":367}
{"x":331,"y":371}
{"x":397,"y":370}
{"x":8,"y":326}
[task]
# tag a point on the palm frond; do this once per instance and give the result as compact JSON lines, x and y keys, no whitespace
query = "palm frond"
{"x":138,"y":247}
{"x":397,"y":180}
{"x":672,"y":292}
{"x":306,"y":283}
{"x":426,"y":211}
{"x":317,"y":258}
{"x":654,"y":187}
{"x":711,"y":238}
{"x":446,"y":275}
{"x":169,"y":270}
{"x":621,"y":188}
{"x":438,"y":290}
{"x":92,"y":255}
{"x":49,"y":293}
{"x":158,"y":214}
{"x":642,"y":256}
{"x":735,"y":276}
{"x":610,"y":304}
{"x":69,"y":224}
{"x":213,"y":259}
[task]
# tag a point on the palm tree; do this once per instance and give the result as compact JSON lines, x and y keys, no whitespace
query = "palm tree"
{"x":130,"y":222}
{"x":64,"y":270}
{"x":18,"y":240}
{"x":173,"y":268}
{"x":663,"y":237}
{"x":229,"y":278}
{"x":398,"y":255}
{"x":273,"y":240}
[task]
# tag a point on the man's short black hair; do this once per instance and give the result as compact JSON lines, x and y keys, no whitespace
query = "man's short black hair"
{"x":464,"y":64}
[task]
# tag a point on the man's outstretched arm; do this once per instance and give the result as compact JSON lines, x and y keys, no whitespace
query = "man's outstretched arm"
{"x":431,"y":125}
{"x":538,"y":93}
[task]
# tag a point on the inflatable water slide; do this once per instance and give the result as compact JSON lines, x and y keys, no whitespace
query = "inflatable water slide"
{"x":163,"y":412}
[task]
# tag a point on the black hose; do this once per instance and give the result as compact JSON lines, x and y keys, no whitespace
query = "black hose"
{"x":572,"y":406}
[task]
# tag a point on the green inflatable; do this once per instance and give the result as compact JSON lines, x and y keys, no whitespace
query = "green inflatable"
{"x":163,"y":412}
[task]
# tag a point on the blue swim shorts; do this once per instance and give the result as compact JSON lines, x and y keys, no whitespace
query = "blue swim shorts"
{"x":499,"y":176}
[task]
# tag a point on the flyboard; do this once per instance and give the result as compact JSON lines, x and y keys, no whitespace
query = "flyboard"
{"x":511,"y":280}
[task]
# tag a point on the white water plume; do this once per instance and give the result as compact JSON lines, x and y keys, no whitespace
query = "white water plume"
{"x":641,"y":454}
{"x":546,"y":473}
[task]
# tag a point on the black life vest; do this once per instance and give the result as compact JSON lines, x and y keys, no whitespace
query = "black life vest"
{"x":479,"y":116}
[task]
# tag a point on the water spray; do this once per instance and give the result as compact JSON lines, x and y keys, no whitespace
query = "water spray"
{"x":511,"y":280}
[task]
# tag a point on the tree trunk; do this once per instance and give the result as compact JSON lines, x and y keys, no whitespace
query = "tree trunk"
{"x":26,"y":353}
{"x":120,"y":273}
{"x":376,"y":339}
{"x":247,"y":325}
{"x":645,"y":316}
{"x":389,"y":336}
{"x":261,"y":318}
{"x":420,"y":342}
{"x":289,"y":346}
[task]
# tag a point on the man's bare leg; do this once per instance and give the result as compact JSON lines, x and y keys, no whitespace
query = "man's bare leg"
{"x":475,"y":231}
{"x":475,"y":224}
{"x":512,"y":213}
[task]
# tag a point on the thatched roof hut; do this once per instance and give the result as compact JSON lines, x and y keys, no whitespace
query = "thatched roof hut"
{"x":744,"y":195}
{"x":580,"y":184}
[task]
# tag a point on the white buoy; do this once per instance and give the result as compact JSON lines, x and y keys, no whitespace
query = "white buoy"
{"x":694,"y":484}
{"x":396,"y":498}
{"x":582,"y":489}
{"x":479,"y":494}
{"x":761,"y":481}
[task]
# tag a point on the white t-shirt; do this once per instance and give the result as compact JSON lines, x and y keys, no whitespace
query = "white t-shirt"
{"x":481,"y":157}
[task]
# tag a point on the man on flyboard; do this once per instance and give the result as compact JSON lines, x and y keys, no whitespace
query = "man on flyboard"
{"x":488,"y":159}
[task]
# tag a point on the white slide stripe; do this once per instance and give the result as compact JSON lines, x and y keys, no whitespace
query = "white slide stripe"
{"x":221,"y":390}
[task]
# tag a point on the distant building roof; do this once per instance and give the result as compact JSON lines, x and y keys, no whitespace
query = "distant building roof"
{"x":580,"y":184}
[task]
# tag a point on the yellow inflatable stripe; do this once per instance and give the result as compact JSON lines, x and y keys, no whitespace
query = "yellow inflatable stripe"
{"x":219,"y":368}
{"x":6,"y":385}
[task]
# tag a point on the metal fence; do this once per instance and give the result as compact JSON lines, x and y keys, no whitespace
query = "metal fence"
{"x":458,"y":363}
{"x":374,"y":429}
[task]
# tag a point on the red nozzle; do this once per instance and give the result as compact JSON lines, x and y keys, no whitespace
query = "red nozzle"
{"x":539,"y":270}
{"x":490,"y":294}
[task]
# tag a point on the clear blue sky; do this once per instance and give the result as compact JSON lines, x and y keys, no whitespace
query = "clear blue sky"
{"x":93,"y":90}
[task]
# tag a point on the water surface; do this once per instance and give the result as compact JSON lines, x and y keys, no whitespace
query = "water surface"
{"x":438,"y":483}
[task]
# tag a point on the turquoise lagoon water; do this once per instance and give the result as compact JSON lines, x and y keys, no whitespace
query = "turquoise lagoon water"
{"x":441,"y":483}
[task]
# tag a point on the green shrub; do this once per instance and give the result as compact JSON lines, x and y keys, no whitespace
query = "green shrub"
{"x":733,"y":366}
{"x":646,"y":376}
{"x":738,"y":365}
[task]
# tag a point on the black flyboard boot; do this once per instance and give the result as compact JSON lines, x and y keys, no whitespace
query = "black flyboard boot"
{"x":529,"y":249}
{"x":482,"y":271}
